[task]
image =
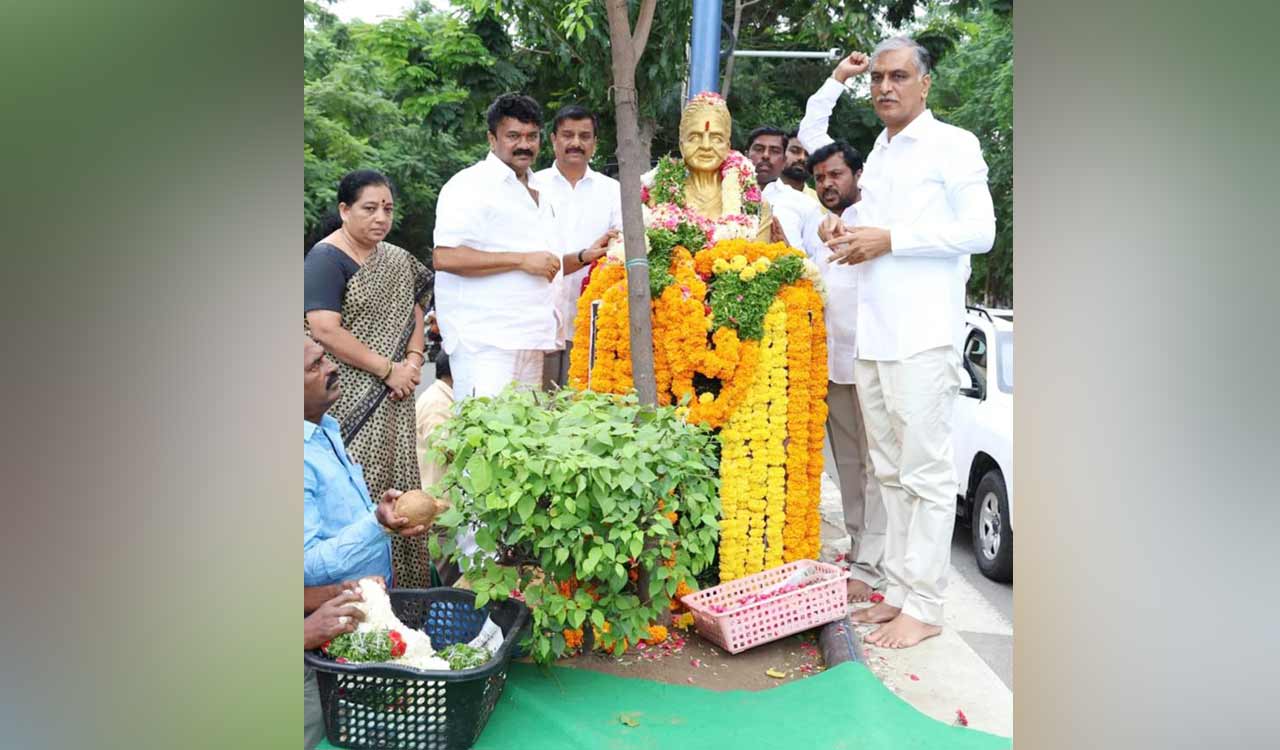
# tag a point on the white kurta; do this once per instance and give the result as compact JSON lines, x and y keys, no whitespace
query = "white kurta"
{"x":583,"y":212}
{"x":487,"y":208}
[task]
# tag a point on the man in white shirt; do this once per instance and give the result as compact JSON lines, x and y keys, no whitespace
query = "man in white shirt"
{"x":925,"y":206}
{"x":766,"y":148}
{"x":836,"y":168}
{"x":588,"y":208}
{"x":495,"y":271}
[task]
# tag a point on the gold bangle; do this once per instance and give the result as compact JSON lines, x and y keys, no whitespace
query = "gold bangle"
{"x":419,"y":353}
{"x":391,"y":366}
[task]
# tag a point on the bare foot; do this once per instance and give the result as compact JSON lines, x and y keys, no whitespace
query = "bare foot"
{"x":881,"y":612}
{"x":903,"y":631}
{"x":858,"y":591}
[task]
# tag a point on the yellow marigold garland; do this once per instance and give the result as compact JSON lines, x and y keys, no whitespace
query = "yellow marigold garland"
{"x":774,"y":377}
{"x":726,"y":250}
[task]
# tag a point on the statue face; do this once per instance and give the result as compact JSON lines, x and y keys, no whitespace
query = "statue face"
{"x":704,"y":138}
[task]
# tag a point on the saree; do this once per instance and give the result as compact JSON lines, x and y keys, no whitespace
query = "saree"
{"x":380,"y":432}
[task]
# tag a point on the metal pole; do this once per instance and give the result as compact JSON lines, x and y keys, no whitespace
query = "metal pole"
{"x":704,"y":55}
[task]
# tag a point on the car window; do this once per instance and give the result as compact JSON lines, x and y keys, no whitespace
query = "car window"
{"x":1004,"y":357}
{"x":975,"y":357}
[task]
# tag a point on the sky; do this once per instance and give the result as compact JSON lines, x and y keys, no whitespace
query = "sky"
{"x":373,"y":11}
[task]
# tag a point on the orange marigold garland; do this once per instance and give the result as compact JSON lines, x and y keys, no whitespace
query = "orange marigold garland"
{"x":817,"y":412}
{"x":799,"y":433}
{"x":604,"y":276}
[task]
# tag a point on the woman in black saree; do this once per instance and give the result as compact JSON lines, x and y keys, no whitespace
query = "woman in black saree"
{"x":363,"y":301}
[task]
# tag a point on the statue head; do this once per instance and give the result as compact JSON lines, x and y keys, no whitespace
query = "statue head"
{"x":705,"y":127}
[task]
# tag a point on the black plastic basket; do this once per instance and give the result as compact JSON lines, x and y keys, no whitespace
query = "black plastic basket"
{"x":388,"y":706}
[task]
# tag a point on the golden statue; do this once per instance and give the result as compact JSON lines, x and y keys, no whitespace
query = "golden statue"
{"x":711,"y":184}
{"x":705,"y":128}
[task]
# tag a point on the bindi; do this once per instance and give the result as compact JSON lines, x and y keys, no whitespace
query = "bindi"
{"x":706,"y":125}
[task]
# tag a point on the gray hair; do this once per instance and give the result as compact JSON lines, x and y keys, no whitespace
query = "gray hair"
{"x":904,"y":42}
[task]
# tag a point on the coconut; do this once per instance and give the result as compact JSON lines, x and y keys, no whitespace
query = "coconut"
{"x":420,"y":508}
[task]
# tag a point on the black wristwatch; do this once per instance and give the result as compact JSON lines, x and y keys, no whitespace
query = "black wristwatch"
{"x":581,"y":262}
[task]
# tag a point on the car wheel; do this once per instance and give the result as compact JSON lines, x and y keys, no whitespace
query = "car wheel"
{"x":992,"y":536}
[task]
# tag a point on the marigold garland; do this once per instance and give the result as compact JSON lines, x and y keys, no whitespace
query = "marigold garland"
{"x":813,"y":302}
{"x":801,"y":501}
{"x":765,"y":395}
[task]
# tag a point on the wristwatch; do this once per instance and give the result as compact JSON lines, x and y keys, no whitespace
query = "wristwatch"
{"x":581,"y":262}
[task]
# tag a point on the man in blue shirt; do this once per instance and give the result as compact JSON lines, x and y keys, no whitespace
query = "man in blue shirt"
{"x":344,"y":531}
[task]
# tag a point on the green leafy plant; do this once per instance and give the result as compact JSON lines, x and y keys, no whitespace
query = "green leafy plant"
{"x":661,"y":243}
{"x":372,"y":645}
{"x":589,"y":506}
{"x":462,"y":656}
{"x":743,"y":304}
{"x":668,"y":181}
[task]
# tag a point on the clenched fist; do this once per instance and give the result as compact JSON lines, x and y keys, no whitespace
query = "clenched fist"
{"x":543,"y":264}
{"x":855,"y":64}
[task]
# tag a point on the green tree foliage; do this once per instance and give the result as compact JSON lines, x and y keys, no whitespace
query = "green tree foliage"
{"x":405,"y":96}
{"x":973,"y":89}
{"x":564,"y":49}
{"x":971,"y":42}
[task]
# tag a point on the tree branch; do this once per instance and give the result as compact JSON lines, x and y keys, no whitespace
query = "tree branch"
{"x":522,"y":48}
{"x":644,"y":22}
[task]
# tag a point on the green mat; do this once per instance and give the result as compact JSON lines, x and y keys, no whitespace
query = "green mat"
{"x":843,"y":707}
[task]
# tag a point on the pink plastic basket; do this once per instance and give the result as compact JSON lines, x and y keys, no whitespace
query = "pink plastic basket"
{"x":739,"y":629}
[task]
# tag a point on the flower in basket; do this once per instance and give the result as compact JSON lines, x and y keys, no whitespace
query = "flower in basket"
{"x":398,"y":646}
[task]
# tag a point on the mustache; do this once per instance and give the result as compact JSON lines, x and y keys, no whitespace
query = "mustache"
{"x":523,"y":152}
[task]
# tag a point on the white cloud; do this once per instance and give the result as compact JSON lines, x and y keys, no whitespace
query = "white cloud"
{"x":370,"y":11}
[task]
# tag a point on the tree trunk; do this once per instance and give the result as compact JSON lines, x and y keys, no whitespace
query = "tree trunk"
{"x":632,"y":163}
{"x":648,"y":129}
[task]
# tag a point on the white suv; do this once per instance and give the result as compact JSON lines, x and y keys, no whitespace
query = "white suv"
{"x":982,"y":437}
